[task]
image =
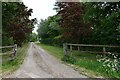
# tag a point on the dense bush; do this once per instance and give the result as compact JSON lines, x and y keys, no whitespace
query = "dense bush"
{"x":111,"y":63}
{"x":69,"y":59}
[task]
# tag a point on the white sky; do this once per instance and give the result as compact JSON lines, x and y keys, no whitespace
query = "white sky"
{"x":41,"y":9}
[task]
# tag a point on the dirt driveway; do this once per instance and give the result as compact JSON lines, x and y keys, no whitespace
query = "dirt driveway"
{"x":39,"y":64}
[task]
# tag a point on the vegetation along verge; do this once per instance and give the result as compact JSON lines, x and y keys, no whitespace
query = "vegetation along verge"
{"x":87,"y":63}
{"x":12,"y":65}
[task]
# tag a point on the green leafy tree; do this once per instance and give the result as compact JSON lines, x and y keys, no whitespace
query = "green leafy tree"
{"x":104,"y":17}
{"x":49,"y":31}
{"x":34,"y":37}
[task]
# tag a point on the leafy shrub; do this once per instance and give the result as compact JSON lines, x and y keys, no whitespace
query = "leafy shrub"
{"x":110,"y":62}
{"x":69,"y":59}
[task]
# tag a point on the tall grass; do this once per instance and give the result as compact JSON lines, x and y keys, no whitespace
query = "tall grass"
{"x":9,"y":66}
{"x":87,"y":61}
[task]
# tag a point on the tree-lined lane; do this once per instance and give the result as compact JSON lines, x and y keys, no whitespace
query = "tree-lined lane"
{"x":39,"y":64}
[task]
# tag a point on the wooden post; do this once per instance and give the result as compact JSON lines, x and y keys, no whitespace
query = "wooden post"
{"x":71,"y":50}
{"x":78,"y":48}
{"x":16,"y":45}
{"x":104,"y":50}
{"x":65,"y":49}
{"x":14,"y":51}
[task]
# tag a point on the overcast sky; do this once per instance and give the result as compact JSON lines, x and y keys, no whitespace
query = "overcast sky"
{"x":41,"y":8}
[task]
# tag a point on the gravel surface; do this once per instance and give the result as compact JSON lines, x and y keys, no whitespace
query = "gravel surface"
{"x":39,"y":64}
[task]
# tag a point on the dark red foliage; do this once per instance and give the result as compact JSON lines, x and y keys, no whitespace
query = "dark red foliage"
{"x":71,"y":20}
{"x":20,"y":24}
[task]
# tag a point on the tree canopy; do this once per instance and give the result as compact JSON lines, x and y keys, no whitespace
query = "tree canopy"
{"x":48,"y":30}
{"x":16,"y":23}
{"x":72,"y":20}
{"x":85,"y":23}
{"x":105,"y":19}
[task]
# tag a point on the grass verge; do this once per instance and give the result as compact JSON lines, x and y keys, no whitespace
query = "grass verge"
{"x":10,"y":66}
{"x":86,"y":63}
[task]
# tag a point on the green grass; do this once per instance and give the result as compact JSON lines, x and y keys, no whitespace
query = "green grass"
{"x":56,"y":51}
{"x":85,"y":62}
{"x":9,"y":66}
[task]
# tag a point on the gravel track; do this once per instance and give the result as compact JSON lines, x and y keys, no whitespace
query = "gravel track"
{"x":39,"y":64}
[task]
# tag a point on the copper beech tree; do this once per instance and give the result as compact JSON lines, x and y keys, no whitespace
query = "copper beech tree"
{"x":16,"y":22}
{"x":71,"y":21}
